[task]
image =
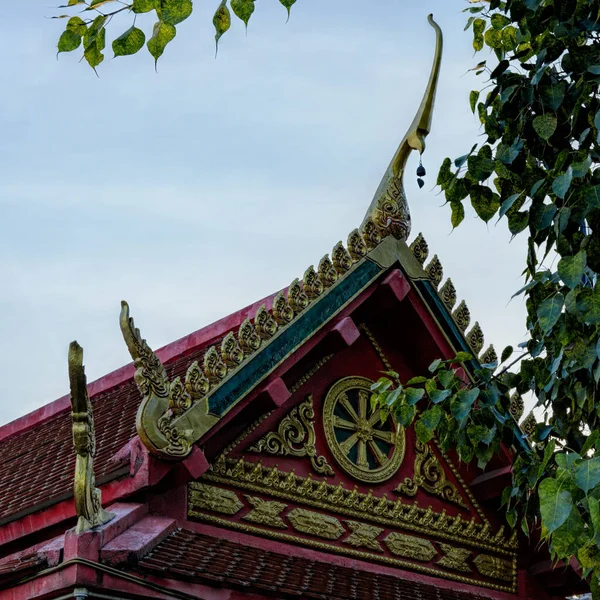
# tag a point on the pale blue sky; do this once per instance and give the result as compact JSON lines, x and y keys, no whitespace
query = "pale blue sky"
{"x":198,"y":190}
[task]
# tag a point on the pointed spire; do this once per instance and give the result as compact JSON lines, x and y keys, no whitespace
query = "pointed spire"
{"x":389,"y":208}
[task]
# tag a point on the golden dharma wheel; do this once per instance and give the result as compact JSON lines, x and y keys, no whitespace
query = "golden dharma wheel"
{"x":365,"y":447}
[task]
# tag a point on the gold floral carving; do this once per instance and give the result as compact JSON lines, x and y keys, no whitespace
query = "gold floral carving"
{"x":266,"y":512}
{"x":213,"y":498}
{"x":435,"y":271}
{"x":370,"y":233}
{"x":356,"y":245}
{"x":327,"y":273}
{"x":295,"y":436}
{"x":475,"y":338}
{"x":379,"y":446}
{"x":529,"y":424}
{"x":364,"y":536}
{"x":231,"y":351}
{"x":517,"y":406}
{"x":448,"y":294}
{"x":249,"y":340}
{"x":341,"y":259}
{"x":379,"y":509}
{"x":88,"y":498}
{"x":420,"y":249}
{"x":214,"y":367}
{"x":454,"y":558}
{"x":494,"y":567}
{"x":313,"y":523}
{"x":489,"y":356}
{"x":283,"y":313}
{"x":196,"y":382}
{"x":264,"y":323}
{"x":462,"y":316}
{"x":312,"y":284}
{"x":429,"y":475}
{"x":297,"y":297}
{"x":410,"y":546}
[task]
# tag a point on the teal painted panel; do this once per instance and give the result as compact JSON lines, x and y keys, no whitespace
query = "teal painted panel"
{"x":293,"y":337}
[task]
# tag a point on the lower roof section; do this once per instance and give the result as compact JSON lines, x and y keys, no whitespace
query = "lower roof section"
{"x":198,"y":558}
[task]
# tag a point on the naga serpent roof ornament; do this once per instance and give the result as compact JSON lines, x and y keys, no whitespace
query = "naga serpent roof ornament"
{"x":389,"y":207}
{"x":88,"y":501}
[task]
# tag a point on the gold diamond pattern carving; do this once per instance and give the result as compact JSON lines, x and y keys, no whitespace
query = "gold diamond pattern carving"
{"x":214,"y":498}
{"x":494,"y":567}
{"x":410,"y":546}
{"x":313,"y":523}
{"x":454,"y":558}
{"x":266,"y":512}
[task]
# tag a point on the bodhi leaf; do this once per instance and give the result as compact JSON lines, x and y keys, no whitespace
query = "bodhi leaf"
{"x":549,"y":311}
{"x":162,"y":34}
{"x":458,"y":213}
{"x":587,"y":474}
{"x":545,"y":126}
{"x":129,"y":43}
{"x":588,"y":304}
{"x":243,"y":10}
{"x":288,"y":5}
{"x":571,"y":269}
{"x":560,"y":186}
{"x":173,"y":12}
{"x":484,"y":201}
{"x":473,"y":97}
{"x":68,"y":41}
{"x":555,"y":504}
{"x":144,"y":6}
{"x":222,"y":22}
{"x":461,"y":404}
{"x":413,"y":395}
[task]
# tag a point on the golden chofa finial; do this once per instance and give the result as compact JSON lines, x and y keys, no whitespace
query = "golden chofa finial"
{"x":389,"y":208}
{"x":88,"y":502}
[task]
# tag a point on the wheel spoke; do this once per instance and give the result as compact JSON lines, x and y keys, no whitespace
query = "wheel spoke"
{"x":343,"y":424}
{"x":348,"y":444}
{"x":385,"y":436}
{"x":382,"y":459}
{"x":362,"y":455}
{"x":345,"y":402}
{"x":363,"y":399}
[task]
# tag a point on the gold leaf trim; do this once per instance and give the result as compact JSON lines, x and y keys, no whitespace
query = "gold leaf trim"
{"x":420,"y":249}
{"x":435,"y":271}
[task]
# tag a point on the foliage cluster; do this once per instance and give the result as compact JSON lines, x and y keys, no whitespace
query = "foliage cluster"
{"x":536,"y":171}
{"x":89,"y":32}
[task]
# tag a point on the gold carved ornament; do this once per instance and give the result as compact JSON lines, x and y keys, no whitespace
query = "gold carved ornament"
{"x":266,"y":512}
{"x":88,"y":498}
{"x":454,"y":558}
{"x":364,"y":536}
{"x":366,"y":448}
{"x":429,"y":475}
{"x":389,"y":207}
{"x":295,"y":436}
{"x":410,"y":546}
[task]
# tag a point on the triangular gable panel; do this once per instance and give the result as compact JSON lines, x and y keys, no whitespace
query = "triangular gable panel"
{"x":327,"y":474}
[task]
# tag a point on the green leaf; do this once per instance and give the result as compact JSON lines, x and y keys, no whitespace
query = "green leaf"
{"x":458,"y":213}
{"x":462,"y":357}
{"x":587,"y":474}
{"x":431,"y":417}
{"x":561,"y":184}
{"x":437,"y":396}
{"x":68,"y":41}
{"x":480,"y":434}
{"x":243,"y":9}
{"x":507,"y":204}
{"x":594,"y":507}
{"x":77,"y":26}
{"x":129,"y":43}
{"x":162,"y":34}
{"x":506,"y":354}
{"x":597,"y":126}
{"x":462,"y":402}
{"x":484,"y":201}
{"x":568,"y":538}
{"x":413,"y":395}
{"x":446,"y":377}
{"x":549,"y":311}
{"x":509,"y":38}
{"x":173,"y":12}
{"x":555,"y":504}
{"x":493,"y":38}
{"x":542,"y":215}
{"x":545,"y":125}
{"x":499,"y":21}
{"x":416,"y":380}
{"x":553,"y":95}
{"x":571,"y":269}
{"x":588,"y":305}
{"x":435,"y":365}
{"x":595,"y":69}
{"x":393,"y":396}
{"x":144,"y":6}
{"x":473,"y":97}
{"x":221,"y":21}
{"x":478,"y":29}
{"x":288,"y":5}
{"x":567,"y":460}
{"x":405,"y":414}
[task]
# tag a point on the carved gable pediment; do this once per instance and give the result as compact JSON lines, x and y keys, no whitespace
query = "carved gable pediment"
{"x":328,"y":472}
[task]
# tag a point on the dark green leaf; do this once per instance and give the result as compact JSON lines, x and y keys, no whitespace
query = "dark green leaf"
{"x":561,"y":184}
{"x":413,"y":395}
{"x":243,"y":9}
{"x":553,"y":95}
{"x":484,"y":201}
{"x":222,"y":21}
{"x":405,"y":414}
{"x":437,"y":396}
{"x":587,"y":474}
{"x":473,"y":97}
{"x":507,"y":204}
{"x":129,"y":43}
{"x":545,"y":125}
{"x":549,"y":311}
{"x":288,"y":5}
{"x":162,"y":34}
{"x":435,"y":365}
{"x":506,"y":354}
{"x":571,"y":269}
{"x":555,"y":504}
{"x":462,"y":402}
